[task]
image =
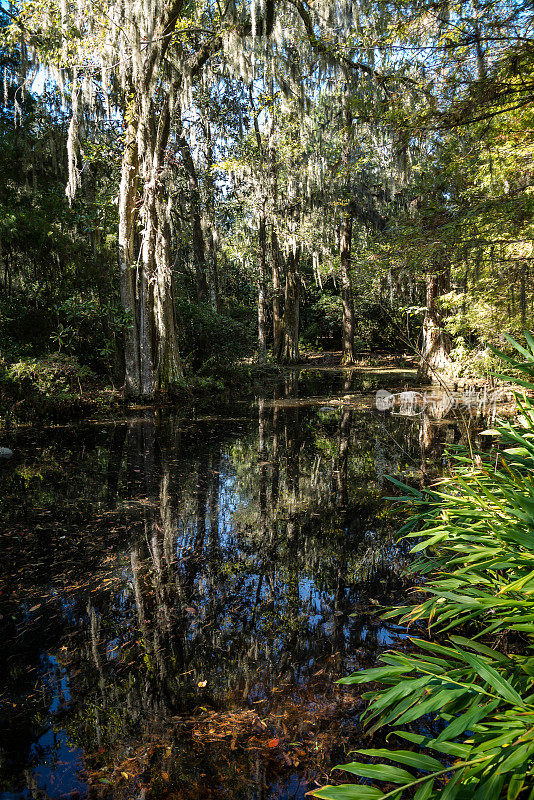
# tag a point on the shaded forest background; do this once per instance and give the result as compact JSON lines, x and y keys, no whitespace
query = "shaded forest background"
{"x":188,"y":190}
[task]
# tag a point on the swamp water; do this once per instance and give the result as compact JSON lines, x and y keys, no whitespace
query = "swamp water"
{"x":180,"y":592}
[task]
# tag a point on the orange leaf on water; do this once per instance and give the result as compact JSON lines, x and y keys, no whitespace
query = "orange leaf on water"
{"x":273,"y":742}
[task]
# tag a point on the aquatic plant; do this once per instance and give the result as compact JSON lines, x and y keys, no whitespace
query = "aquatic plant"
{"x":475,"y":533}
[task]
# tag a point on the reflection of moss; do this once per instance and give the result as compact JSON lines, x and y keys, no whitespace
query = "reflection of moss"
{"x":227,"y":584}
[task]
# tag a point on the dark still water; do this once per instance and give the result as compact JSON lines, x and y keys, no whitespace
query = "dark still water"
{"x":179,"y":592}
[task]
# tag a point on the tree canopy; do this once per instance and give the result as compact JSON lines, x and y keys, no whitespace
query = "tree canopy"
{"x":284,"y":173}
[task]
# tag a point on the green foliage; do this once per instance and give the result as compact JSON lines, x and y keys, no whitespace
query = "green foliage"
{"x":46,"y":375}
{"x":78,"y":326}
{"x":88,"y":328}
{"x":58,"y":291}
{"x":374,"y":322}
{"x":472,"y":362}
{"x":475,"y":531}
{"x":430,"y":158}
{"x":212,"y":341}
{"x":44,"y":385}
{"x":324,"y":321}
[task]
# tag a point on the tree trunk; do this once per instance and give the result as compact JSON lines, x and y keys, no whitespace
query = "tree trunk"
{"x":345,"y":245}
{"x":262,"y":333}
{"x":146,"y":329}
{"x":277,"y":295}
{"x":168,"y":362}
{"x":523,"y":297}
{"x":199,"y":244}
{"x":213,"y":270}
{"x":127,"y":260}
{"x":436,"y":341}
{"x":151,"y":349}
{"x":290,"y":354}
{"x":151,"y":353}
{"x":274,"y":251}
{"x":345,"y":253}
{"x":209,"y":226}
{"x":160,"y":365}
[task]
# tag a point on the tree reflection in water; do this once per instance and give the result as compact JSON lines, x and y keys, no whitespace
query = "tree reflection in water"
{"x":177,"y":595}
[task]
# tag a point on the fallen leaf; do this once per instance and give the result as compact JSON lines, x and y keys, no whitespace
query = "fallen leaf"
{"x":273,"y":742}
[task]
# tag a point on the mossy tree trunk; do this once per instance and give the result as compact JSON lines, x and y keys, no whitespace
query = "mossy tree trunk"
{"x":291,"y":319}
{"x":345,"y":258}
{"x":436,"y":345}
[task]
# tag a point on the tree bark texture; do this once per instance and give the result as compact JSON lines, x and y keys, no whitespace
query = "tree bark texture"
{"x":436,"y":341}
{"x":290,"y":353}
{"x":274,"y":251}
{"x":345,"y":247}
{"x":199,"y":243}
{"x":209,"y":226}
{"x":345,"y":257}
{"x":262,"y":258}
{"x":152,"y":359}
{"x":277,"y":295}
{"x":127,"y":258}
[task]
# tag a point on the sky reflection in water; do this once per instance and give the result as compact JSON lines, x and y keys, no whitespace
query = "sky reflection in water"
{"x":177,"y":592}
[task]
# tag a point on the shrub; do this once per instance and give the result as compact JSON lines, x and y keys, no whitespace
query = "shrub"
{"x":43,"y":384}
{"x":82,"y":327}
{"x":90,"y":330}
